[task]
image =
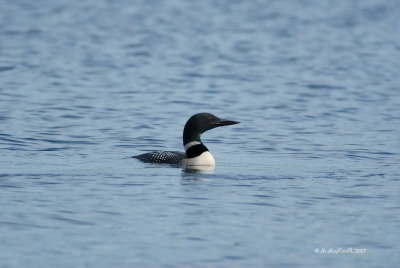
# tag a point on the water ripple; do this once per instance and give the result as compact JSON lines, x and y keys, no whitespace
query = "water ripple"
{"x":72,"y":221}
{"x":6,"y":68}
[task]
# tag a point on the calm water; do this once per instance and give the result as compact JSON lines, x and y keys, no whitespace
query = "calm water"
{"x":314,"y":165}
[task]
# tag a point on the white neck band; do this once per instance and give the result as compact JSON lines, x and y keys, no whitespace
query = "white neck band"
{"x":190,"y":144}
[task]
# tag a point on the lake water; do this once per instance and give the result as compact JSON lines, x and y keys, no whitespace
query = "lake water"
{"x":313,"y":167}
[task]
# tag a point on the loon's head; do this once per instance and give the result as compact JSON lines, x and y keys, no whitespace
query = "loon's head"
{"x":200,"y":123}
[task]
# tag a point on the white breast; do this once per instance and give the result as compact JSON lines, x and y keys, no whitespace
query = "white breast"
{"x":205,"y":159}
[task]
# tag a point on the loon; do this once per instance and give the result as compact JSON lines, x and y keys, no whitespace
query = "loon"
{"x":196,"y":153}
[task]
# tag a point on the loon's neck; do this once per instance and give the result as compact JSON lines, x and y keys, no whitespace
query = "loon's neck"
{"x":192,"y":144}
{"x":197,"y":155}
{"x":190,"y":135}
{"x":195,"y":149}
{"x":196,"y":152}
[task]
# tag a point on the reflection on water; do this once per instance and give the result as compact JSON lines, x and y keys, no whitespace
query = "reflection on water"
{"x":199,"y":169}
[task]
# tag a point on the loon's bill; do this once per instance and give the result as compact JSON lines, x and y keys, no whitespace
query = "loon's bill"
{"x":196,"y":153}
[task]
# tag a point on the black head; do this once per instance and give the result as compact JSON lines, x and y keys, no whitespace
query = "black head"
{"x":200,"y":123}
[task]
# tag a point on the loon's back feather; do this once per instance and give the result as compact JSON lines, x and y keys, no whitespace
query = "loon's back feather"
{"x":167,"y":157}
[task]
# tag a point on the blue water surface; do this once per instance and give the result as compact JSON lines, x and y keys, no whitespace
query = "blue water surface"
{"x":313,"y":167}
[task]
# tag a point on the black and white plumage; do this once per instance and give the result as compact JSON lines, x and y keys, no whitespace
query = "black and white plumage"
{"x":196,"y":153}
{"x":162,"y":157}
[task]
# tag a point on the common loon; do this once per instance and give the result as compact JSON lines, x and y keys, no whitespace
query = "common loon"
{"x":196,"y":153}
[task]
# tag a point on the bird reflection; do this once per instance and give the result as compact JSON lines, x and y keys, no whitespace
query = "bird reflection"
{"x":199,"y":169}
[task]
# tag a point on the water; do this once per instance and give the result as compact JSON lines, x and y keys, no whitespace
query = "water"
{"x":314,"y":164}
